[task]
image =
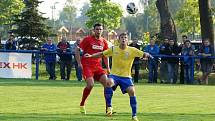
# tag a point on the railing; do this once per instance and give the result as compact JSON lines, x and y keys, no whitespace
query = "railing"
{"x":38,"y":52}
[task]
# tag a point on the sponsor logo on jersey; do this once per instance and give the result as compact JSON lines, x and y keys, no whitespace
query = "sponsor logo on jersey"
{"x":97,"y":47}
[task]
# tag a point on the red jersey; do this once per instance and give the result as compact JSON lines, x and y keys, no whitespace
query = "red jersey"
{"x":91,"y":45}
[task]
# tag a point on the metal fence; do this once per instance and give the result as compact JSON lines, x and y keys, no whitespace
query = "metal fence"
{"x":38,"y":52}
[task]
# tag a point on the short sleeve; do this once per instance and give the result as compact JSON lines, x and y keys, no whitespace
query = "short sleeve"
{"x":108,"y":52}
{"x":138,"y":53}
{"x":105,"y":45}
{"x":83,"y":43}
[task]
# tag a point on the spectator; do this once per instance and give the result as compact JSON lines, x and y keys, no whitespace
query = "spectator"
{"x":152,"y":49}
{"x":187,"y":61}
{"x":78,"y":69}
{"x":136,"y":63}
{"x":206,"y":64}
{"x":163,"y":66}
{"x":10,"y":43}
{"x":50,"y":58}
{"x":172,"y":63}
{"x":65,"y":55}
{"x":181,"y":46}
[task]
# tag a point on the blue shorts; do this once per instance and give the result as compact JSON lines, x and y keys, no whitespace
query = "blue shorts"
{"x":123,"y":82}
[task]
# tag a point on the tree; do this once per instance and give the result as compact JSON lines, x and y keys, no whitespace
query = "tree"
{"x":83,"y":18}
{"x":188,"y":22}
{"x":9,"y":8}
{"x":68,"y":15}
{"x":31,"y":25}
{"x":167,"y":25}
{"x":206,"y":20}
{"x":105,"y":12}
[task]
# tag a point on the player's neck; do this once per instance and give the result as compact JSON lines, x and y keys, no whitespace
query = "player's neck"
{"x":97,"y":37}
{"x":123,"y":47}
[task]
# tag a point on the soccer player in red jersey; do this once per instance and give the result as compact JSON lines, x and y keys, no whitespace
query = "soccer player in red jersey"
{"x":91,"y":67}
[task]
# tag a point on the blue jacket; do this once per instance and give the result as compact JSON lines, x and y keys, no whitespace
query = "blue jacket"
{"x":152,"y":50}
{"x":10,"y":46}
{"x":50,"y":57}
{"x":186,"y":52}
{"x":207,"y":50}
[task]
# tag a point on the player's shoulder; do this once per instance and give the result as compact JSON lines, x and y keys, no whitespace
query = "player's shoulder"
{"x":87,"y":38}
{"x":131,"y":48}
{"x":103,"y":40}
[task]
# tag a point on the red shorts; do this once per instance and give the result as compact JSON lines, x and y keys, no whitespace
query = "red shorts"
{"x":93,"y":71}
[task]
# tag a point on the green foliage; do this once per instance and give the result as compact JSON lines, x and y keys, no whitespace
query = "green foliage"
{"x":151,"y":18}
{"x":175,"y":6}
{"x":68,"y":14}
{"x":9,"y":8}
{"x":188,"y":18}
{"x":146,"y":22}
{"x":81,"y":20}
{"x":30,"y":23}
{"x":105,"y":12}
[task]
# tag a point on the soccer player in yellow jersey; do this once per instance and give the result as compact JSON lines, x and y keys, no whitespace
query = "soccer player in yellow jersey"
{"x":123,"y":57}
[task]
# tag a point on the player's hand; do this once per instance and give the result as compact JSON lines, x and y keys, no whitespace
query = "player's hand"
{"x":80,"y":66}
{"x":108,"y":70}
{"x":144,"y":59}
{"x":147,"y":55}
{"x":87,"y":55}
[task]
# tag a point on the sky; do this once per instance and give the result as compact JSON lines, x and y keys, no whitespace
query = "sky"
{"x":45,"y":7}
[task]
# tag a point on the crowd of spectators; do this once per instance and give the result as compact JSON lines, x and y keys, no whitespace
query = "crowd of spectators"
{"x":169,"y":66}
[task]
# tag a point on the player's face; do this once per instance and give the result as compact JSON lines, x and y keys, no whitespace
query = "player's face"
{"x":123,"y":40}
{"x":98,"y":31}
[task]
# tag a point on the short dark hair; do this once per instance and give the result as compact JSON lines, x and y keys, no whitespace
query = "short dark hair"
{"x":123,"y":34}
{"x":166,"y":39}
{"x":97,"y":24}
{"x":12,"y":35}
{"x":184,"y":36}
{"x":187,"y":40}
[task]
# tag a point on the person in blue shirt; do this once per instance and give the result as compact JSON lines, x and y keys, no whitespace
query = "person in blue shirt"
{"x":187,"y":51}
{"x":206,"y":64}
{"x":152,"y":49}
{"x":50,"y":58}
{"x":10,"y":43}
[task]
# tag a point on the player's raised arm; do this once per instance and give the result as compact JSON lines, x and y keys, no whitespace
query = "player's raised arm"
{"x":96,"y":55}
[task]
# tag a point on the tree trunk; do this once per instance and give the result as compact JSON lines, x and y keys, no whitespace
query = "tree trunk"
{"x":167,"y":26}
{"x":206,"y":20}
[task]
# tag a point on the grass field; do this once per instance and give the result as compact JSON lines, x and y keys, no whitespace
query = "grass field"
{"x":43,"y":100}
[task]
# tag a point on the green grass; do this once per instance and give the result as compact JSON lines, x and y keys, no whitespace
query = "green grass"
{"x":44,"y":100}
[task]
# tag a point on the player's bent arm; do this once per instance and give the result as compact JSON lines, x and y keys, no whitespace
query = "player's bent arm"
{"x":97,"y":55}
{"x":147,"y":55}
